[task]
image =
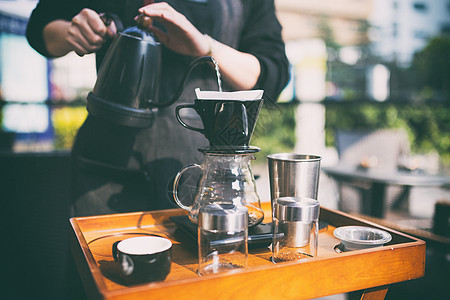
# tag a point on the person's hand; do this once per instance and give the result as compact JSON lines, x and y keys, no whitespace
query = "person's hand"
{"x":240,"y":70}
{"x":87,"y":33}
{"x":180,"y":35}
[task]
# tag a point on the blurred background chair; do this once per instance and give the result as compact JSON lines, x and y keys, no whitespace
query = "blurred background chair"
{"x":381,"y":149}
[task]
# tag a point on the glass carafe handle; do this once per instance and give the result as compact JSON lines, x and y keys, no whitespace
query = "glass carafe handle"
{"x":175,"y":186}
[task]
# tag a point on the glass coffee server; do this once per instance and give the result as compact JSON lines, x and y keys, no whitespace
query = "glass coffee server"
{"x":227,"y":178}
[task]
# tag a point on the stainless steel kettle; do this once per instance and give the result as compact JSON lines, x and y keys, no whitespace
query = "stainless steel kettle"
{"x":127,"y":86}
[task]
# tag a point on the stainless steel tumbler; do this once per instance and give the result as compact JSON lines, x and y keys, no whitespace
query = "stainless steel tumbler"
{"x":222,"y":238}
{"x":295,"y":228}
{"x":294,"y":175}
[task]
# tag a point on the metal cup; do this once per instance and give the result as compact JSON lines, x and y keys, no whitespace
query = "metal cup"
{"x":295,"y":219}
{"x":294,"y":175}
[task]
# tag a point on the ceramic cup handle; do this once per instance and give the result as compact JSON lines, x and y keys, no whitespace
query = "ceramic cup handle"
{"x":115,"y":253}
{"x":175,"y":186}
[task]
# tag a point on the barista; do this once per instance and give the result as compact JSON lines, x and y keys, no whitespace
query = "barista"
{"x":122,"y":169}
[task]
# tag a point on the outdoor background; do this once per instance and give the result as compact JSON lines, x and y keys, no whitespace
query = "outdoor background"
{"x":355,"y":65}
{"x":369,"y":64}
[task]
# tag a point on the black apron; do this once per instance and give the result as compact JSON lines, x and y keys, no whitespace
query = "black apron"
{"x":120,"y":169}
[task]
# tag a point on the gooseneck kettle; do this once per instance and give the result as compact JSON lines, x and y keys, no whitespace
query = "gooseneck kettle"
{"x":127,"y":86}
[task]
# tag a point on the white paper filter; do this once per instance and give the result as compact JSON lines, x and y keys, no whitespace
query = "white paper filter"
{"x":238,"y":95}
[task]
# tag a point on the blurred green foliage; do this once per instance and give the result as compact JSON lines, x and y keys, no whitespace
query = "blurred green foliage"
{"x":275,"y":130}
{"x":419,"y":102}
{"x":430,"y":69}
{"x":427,"y":124}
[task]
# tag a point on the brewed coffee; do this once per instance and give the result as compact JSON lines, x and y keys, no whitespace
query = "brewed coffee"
{"x":226,"y":179}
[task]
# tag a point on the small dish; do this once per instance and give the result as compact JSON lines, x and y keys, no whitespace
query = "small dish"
{"x":360,"y":237}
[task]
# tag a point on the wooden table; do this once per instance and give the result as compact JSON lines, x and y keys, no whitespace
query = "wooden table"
{"x":378,"y":180}
{"x":371,"y":270}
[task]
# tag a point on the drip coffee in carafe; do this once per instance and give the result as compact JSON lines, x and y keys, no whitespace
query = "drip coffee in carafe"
{"x":226,"y":179}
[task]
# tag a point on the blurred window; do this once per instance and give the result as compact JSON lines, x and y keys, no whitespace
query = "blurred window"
{"x":420,"y":7}
{"x":420,"y":34}
{"x":394,"y":5}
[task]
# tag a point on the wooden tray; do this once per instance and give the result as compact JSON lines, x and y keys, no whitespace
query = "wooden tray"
{"x":330,"y":273}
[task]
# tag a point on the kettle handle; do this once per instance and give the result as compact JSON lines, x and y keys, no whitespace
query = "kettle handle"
{"x":177,"y":114}
{"x":108,"y":17}
{"x":175,"y":186}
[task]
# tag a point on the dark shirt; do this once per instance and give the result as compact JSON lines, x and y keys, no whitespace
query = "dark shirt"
{"x":132,"y":168}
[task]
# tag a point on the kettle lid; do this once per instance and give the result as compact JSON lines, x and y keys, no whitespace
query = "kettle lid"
{"x":141,"y":34}
{"x":140,"y":30}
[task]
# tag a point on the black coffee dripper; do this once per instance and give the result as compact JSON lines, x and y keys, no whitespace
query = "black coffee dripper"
{"x":127,"y":88}
{"x":227,"y":124}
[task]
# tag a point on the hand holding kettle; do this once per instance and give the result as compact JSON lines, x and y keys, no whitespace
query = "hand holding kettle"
{"x":241,"y":70}
{"x":86,"y":33}
{"x":180,"y":35}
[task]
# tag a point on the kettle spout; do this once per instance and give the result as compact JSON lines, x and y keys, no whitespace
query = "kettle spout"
{"x":195,"y":63}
